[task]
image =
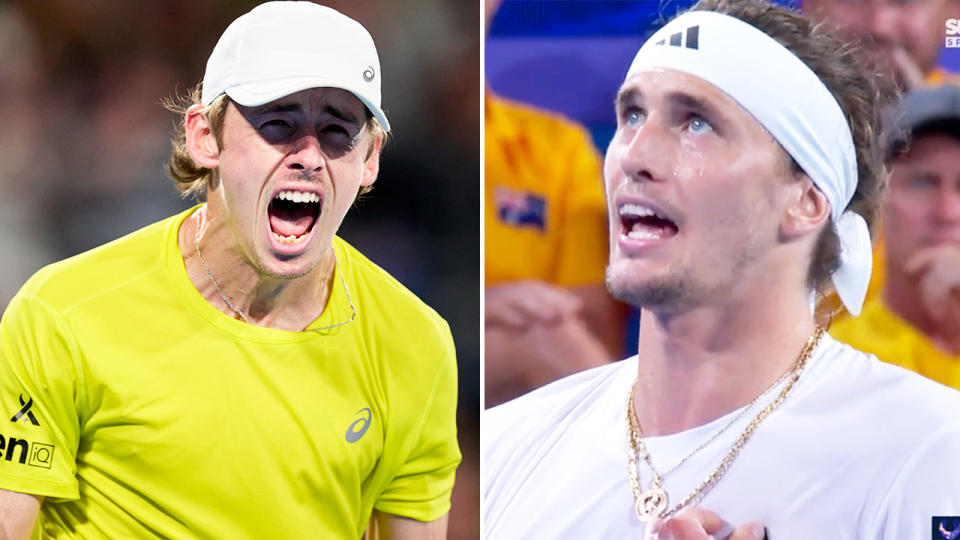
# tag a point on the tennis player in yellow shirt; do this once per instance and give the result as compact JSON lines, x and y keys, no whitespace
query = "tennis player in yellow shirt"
{"x":238,"y":371}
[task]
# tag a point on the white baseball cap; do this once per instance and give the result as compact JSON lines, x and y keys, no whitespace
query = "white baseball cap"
{"x":279,"y":48}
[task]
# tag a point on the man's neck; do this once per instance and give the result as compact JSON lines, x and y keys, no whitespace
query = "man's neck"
{"x":285,"y":304}
{"x":698,"y":366}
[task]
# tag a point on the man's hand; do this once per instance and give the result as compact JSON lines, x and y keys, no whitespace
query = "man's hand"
{"x":535,"y":333}
{"x":908,"y":73}
{"x":938,"y":271}
{"x":519,"y":304}
{"x":698,"y":524}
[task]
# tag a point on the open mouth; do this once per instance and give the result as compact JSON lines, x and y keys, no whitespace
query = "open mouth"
{"x":292,"y":215}
{"x":640,"y":222}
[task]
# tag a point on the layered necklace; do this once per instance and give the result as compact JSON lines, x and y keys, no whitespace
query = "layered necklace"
{"x":235,"y":309}
{"x":653,"y":502}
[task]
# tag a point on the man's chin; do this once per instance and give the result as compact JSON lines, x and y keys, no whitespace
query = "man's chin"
{"x":286,"y":270}
{"x":653,"y":294}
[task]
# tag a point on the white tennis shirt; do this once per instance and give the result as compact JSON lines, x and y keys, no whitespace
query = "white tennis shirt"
{"x":859,"y":450}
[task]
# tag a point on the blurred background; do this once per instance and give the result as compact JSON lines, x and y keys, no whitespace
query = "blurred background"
{"x":570,"y":56}
{"x":84,"y":139}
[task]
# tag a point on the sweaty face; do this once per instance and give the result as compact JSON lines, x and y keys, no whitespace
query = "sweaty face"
{"x":289,"y":171}
{"x":695,"y":188}
{"x":914,"y":26}
{"x":923,"y":207}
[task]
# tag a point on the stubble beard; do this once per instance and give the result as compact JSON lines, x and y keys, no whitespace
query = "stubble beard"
{"x":668,"y":293}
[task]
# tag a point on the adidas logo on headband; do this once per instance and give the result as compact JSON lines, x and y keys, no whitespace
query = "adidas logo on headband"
{"x":692,"y":41}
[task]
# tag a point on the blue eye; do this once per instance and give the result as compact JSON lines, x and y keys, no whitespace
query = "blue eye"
{"x":699,"y":125}
{"x":632,"y":117}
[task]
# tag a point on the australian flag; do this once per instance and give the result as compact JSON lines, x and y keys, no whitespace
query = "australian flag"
{"x":520,"y":208}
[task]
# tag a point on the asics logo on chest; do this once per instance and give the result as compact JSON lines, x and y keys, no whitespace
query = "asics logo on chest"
{"x":359,"y":426}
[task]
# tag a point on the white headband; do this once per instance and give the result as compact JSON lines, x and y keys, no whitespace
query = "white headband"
{"x":789,"y":100}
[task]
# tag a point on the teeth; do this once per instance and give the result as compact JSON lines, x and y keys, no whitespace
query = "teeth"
{"x":639,"y":211}
{"x":298,"y":196}
{"x":289,"y":239}
{"x":642,"y":233}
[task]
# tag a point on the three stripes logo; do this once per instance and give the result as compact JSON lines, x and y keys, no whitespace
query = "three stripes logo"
{"x":689,"y":39}
{"x":25,"y":413}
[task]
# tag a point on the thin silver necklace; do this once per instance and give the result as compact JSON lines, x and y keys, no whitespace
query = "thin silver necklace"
{"x":353,"y":309}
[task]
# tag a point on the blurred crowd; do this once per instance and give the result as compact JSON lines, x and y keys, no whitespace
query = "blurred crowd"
{"x":912,"y":316}
{"x":85,"y":137}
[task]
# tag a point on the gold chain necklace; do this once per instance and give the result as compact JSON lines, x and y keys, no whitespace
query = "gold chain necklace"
{"x":653,"y":503}
{"x":747,"y":408}
{"x":235,"y":309}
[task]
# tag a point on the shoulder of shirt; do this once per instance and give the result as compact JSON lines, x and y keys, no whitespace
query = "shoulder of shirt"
{"x":67,"y":283}
{"x":912,"y":401}
{"x":531,"y":121}
{"x":907,"y":424}
{"x":382,"y":289}
{"x":549,"y":404}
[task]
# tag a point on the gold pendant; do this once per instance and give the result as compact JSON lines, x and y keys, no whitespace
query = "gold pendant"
{"x":651,"y":503}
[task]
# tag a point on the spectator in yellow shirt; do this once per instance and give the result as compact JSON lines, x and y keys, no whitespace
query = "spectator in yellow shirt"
{"x":547,"y":311}
{"x":915,"y":322}
{"x":906,"y":38}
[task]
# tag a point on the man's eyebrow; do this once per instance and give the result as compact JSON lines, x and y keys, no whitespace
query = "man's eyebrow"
{"x":295,"y":107}
{"x":624,"y":96}
{"x":339,"y":114}
{"x":682,"y":99}
{"x":277,"y":108}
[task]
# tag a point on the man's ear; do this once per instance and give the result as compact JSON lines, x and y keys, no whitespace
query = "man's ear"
{"x":806,"y":211}
{"x":371,"y":167}
{"x":201,"y":143}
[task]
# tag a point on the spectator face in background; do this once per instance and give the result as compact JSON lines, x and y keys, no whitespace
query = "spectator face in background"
{"x":923,"y":208}
{"x":314,"y":145}
{"x":905,"y":35}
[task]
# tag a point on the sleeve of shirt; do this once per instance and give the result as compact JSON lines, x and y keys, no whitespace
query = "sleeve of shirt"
{"x":39,"y":430}
{"x":925,"y":493}
{"x":583,"y":230}
{"x":422,"y":485}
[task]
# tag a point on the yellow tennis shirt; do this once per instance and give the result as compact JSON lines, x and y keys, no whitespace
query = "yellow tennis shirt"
{"x":140,"y":410}
{"x":545,"y":215}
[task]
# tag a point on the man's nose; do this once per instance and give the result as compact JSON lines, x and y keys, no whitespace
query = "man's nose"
{"x":947,"y":209}
{"x":648,"y":154}
{"x":306,"y":154}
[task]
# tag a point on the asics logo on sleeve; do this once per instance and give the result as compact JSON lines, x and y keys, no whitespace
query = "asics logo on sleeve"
{"x":25,"y":413}
{"x":359,"y":426}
